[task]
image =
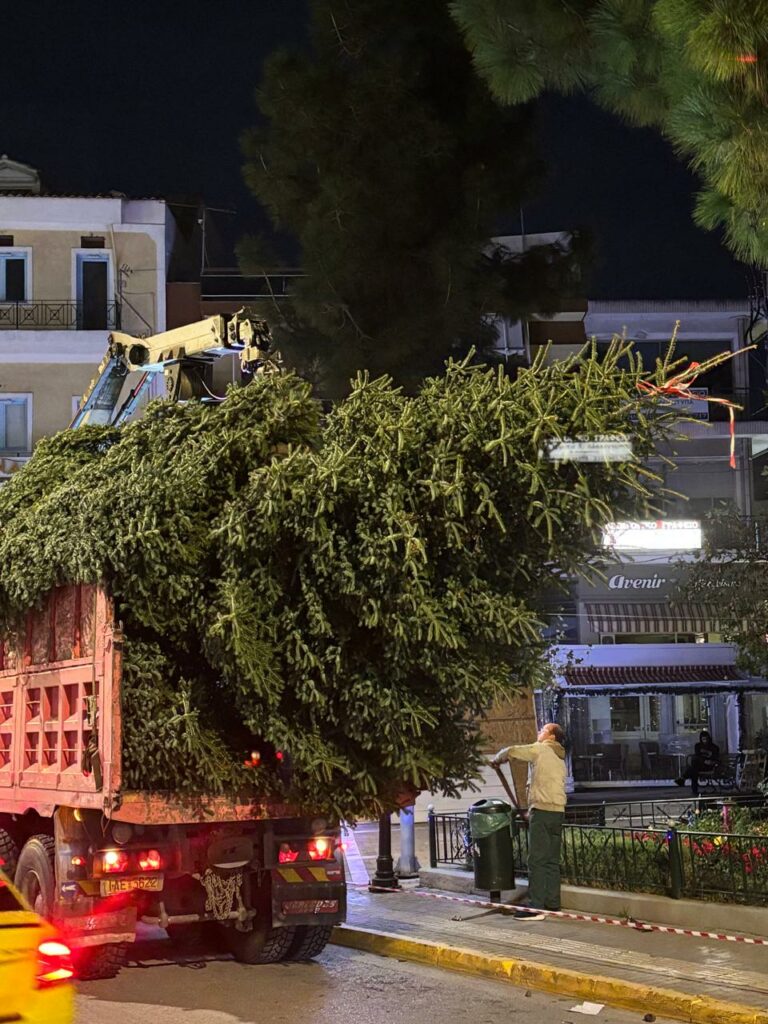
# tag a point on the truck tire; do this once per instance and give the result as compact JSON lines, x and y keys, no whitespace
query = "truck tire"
{"x":9,"y":853}
{"x":96,"y":963}
{"x":310,"y":941}
{"x":262,"y":945}
{"x":35,"y":874}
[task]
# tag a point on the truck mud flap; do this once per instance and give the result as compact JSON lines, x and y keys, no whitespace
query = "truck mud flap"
{"x":299,"y":897}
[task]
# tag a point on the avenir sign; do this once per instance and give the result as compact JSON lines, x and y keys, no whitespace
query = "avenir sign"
{"x":621,"y":582}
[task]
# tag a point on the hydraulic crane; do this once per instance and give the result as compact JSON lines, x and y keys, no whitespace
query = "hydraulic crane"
{"x":184,"y":356}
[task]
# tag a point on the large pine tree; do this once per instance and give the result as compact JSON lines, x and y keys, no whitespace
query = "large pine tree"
{"x":694,"y":68}
{"x":388,"y":160}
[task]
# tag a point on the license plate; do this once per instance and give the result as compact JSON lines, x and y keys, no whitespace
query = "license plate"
{"x":148,"y":883}
{"x":310,"y":907}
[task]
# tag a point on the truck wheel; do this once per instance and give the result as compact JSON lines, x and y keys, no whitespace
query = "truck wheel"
{"x":9,"y":853}
{"x":262,"y":945}
{"x":96,"y":963}
{"x":309,"y":942}
{"x":35,"y":874}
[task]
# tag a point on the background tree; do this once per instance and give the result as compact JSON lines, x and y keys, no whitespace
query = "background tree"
{"x":390,"y":164}
{"x":732,"y":576}
{"x":694,"y":68}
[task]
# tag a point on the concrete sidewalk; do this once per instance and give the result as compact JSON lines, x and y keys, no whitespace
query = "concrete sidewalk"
{"x":674,"y":976}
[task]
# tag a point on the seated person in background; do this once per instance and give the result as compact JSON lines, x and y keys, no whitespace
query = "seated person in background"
{"x":706,"y":757}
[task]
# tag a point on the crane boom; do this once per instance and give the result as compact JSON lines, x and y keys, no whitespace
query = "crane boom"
{"x":183,"y":355}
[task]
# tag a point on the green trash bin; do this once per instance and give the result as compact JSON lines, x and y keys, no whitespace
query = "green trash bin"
{"x":490,"y":826}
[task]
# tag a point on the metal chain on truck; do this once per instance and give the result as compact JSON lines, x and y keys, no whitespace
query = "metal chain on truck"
{"x":220,"y":892}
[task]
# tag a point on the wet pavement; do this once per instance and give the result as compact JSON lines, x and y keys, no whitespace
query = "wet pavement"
{"x":162,"y":987}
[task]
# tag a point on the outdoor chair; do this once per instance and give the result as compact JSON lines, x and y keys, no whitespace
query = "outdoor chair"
{"x":612,"y":762}
{"x":723,"y":777}
{"x":654,"y":764}
{"x":751,"y":770}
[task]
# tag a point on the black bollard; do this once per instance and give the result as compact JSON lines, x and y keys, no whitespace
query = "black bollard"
{"x":384,"y":877}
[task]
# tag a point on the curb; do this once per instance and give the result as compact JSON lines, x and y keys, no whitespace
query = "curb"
{"x":627,"y":995}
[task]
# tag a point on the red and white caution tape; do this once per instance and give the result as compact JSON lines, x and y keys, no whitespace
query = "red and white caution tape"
{"x":570,"y":915}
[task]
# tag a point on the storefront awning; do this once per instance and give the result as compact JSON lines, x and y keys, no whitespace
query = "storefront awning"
{"x":583,"y":680}
{"x":651,"y":617}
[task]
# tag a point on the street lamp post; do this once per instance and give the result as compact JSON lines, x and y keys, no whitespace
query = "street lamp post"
{"x":384,"y":877}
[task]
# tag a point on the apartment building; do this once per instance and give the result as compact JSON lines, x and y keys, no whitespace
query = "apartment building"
{"x":641,"y":669}
{"x":72,"y":269}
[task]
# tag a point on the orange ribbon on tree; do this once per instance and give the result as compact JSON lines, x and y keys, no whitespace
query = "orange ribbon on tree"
{"x":680,"y":387}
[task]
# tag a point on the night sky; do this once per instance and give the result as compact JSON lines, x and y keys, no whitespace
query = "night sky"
{"x":149,"y":98}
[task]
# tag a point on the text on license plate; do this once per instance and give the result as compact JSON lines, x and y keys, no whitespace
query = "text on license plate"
{"x":310,"y":906}
{"x":151,"y":883}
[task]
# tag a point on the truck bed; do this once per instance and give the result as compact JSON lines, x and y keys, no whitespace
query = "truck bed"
{"x":60,"y":721}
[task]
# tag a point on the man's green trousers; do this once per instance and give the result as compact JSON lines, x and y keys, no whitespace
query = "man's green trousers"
{"x":544,"y":833}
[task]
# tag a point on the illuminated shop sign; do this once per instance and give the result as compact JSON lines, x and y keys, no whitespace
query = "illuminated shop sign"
{"x":653,"y":535}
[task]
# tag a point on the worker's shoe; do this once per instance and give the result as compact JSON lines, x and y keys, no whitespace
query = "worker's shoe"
{"x":528,"y":915}
{"x":679,"y":782}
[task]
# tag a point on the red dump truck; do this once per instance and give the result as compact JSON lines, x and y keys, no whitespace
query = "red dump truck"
{"x":96,"y":858}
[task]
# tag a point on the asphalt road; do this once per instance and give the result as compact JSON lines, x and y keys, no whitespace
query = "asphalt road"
{"x":158,"y":987}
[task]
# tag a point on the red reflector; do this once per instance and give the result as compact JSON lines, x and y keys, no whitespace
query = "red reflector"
{"x":286,"y":854}
{"x":54,"y":964}
{"x":150,"y":860}
{"x":114,"y":861}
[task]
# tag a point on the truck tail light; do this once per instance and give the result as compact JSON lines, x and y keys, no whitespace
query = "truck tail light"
{"x":150,"y":860}
{"x":114,"y":861}
{"x":320,"y":848}
{"x":54,"y":964}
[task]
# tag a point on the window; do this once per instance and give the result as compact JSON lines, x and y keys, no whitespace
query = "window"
{"x":635,"y":714}
{"x":692,"y":712}
{"x":93,"y":281}
{"x":14,"y":275}
{"x":625,"y":714}
{"x":15,"y":423}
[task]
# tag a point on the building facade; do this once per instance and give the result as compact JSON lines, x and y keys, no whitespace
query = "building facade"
{"x":641,"y":670}
{"x":72,"y":269}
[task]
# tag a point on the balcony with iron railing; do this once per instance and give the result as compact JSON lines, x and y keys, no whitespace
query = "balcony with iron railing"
{"x":59,"y":315}
{"x":735,"y":533}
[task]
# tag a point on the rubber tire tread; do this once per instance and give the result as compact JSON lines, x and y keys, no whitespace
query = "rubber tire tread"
{"x":9,"y":853}
{"x":310,"y":941}
{"x":48,"y":844}
{"x":97,"y":963}
{"x":277,"y":945}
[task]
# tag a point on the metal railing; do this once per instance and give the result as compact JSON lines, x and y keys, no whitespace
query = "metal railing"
{"x":449,"y":840}
{"x":58,"y":315}
{"x":661,"y":813}
{"x":672,"y":860}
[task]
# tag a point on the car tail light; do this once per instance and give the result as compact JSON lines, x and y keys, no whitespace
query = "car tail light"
{"x":54,"y":964}
{"x":287,"y":854}
{"x":114,"y":861}
{"x":150,"y":860}
{"x":320,"y":848}
{"x":77,"y":861}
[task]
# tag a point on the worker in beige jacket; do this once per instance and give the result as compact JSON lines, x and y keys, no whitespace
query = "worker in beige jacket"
{"x":546,"y":803}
